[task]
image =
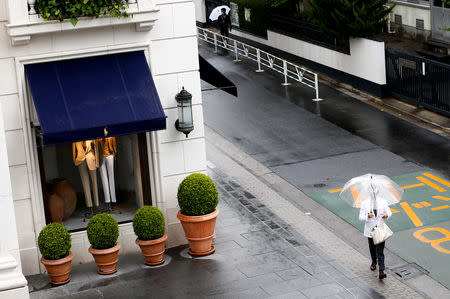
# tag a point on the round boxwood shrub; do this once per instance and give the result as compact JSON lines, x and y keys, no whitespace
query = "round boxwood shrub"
{"x":197,"y":195}
{"x":148,"y":223}
{"x":54,"y":241}
{"x":102,"y":231}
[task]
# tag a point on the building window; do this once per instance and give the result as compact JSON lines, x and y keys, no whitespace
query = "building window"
{"x":398,"y":19}
{"x":420,"y":24}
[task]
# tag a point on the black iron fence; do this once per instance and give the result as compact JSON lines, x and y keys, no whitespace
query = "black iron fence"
{"x":308,"y":32}
{"x":419,"y":80}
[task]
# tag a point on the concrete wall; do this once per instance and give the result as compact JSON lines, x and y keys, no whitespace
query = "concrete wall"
{"x":172,"y":54}
{"x":411,"y":13}
{"x":366,"y":59}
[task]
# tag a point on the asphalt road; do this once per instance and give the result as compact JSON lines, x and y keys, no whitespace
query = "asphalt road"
{"x":318,"y":146}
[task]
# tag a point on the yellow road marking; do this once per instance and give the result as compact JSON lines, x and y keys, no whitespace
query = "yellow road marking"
{"x":440,"y":208}
{"x":426,"y":204}
{"x":334,"y":191}
{"x":394,"y":211}
{"x":431,"y":184}
{"x":437,"y":179}
{"x":413,"y":186}
{"x":441,"y":197}
{"x":434,"y":243}
{"x":411,"y":214}
{"x":416,"y":205}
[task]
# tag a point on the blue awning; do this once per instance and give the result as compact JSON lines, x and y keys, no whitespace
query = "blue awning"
{"x":88,"y":98}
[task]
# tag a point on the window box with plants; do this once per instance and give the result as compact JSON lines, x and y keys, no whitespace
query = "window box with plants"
{"x":198,"y":199}
{"x":102,"y":232}
{"x":54,"y":243}
{"x":149,"y":227}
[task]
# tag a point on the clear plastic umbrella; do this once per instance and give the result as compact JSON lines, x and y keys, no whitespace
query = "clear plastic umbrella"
{"x":368,"y":187}
{"x":216,"y":12}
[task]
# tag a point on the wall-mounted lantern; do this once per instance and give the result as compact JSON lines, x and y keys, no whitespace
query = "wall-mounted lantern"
{"x":184,"y":122}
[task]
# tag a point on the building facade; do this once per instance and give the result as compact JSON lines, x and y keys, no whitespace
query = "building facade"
{"x":148,"y":166}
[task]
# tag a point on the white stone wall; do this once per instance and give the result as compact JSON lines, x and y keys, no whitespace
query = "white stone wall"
{"x":410,"y":14}
{"x":172,"y":53}
{"x":366,"y":59}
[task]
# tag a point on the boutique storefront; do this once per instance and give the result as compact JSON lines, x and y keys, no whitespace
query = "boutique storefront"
{"x":87,"y":125}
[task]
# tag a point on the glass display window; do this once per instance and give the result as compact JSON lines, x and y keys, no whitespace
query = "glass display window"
{"x":82,"y":179}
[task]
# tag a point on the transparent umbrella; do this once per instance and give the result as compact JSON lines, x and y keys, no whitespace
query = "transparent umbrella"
{"x":216,"y":12}
{"x":368,"y":187}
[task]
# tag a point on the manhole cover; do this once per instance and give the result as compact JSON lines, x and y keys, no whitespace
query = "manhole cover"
{"x":409,"y":271}
{"x":319,"y":185}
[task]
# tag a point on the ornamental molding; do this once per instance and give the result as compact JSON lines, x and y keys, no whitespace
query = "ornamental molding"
{"x":21,"y":33}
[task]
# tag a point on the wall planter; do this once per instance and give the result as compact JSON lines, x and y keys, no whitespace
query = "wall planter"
{"x":198,"y":199}
{"x":54,"y":244}
{"x":102,"y":232}
{"x":148,"y":225}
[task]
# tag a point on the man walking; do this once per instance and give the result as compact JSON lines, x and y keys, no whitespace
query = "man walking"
{"x":224,"y":23}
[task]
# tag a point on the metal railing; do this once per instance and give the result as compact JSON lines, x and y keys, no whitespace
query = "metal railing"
{"x":287,"y":69}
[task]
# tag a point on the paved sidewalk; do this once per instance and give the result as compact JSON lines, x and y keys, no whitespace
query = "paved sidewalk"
{"x":258,"y":255}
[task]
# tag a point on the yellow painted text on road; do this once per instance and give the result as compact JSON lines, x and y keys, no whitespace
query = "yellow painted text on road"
{"x":437,"y":179}
{"x":440,"y":208}
{"x":425,"y":204}
{"x":441,"y":197}
{"x":417,"y":222}
{"x":434,"y":243}
{"x":431,"y":184}
{"x":416,"y":205}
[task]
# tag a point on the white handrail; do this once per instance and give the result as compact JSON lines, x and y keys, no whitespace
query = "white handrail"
{"x":288,"y":69}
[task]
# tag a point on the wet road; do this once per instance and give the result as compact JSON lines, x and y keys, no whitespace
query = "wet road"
{"x":318,"y":146}
{"x":315,"y":145}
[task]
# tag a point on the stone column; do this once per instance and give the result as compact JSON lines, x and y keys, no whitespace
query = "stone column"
{"x":12,"y":282}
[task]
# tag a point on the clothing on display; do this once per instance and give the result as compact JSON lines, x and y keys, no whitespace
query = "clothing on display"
{"x":86,"y":158}
{"x":109,"y":149}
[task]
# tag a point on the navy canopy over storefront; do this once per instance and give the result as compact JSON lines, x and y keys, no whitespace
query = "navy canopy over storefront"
{"x":89,"y":98}
{"x":214,"y":77}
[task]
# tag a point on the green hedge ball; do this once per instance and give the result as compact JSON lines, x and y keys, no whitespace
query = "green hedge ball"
{"x":197,"y":195}
{"x":54,"y":241}
{"x":103,"y":231}
{"x":148,"y":223}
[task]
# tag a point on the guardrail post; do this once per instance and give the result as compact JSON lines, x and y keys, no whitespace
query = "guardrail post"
{"x":236,"y":51}
{"x":285,"y":70}
{"x":258,"y":59}
{"x":215,"y":43}
{"x":316,"y":86}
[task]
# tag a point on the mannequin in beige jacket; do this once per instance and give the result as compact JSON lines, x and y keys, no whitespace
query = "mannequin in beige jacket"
{"x":86,"y":158}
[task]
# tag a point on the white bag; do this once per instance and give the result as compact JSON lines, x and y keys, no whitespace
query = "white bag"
{"x":381,"y":233}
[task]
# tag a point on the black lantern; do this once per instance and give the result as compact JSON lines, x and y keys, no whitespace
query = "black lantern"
{"x":184,"y":122}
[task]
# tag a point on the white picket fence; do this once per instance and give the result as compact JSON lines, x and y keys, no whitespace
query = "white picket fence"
{"x":287,"y":69}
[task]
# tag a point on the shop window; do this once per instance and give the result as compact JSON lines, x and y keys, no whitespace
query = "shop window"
{"x":107,"y":175}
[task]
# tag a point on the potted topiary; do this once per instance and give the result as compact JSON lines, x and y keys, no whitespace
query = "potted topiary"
{"x":148,"y":225}
{"x":102,"y":232}
{"x":198,"y":199}
{"x":54,"y":243}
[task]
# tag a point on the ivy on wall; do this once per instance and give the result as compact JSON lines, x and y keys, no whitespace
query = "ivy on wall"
{"x":73,"y":9}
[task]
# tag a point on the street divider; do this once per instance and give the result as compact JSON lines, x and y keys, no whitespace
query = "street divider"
{"x":287,"y":69}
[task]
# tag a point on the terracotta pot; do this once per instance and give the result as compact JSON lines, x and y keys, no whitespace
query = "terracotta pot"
{"x":153,"y":250}
{"x":199,"y":231}
{"x":58,"y":270}
{"x":106,"y":259}
{"x":55,"y":207}
{"x":67,"y":193}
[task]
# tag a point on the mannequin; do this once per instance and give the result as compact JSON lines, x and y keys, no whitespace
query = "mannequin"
{"x":108,"y":150}
{"x":86,"y":158}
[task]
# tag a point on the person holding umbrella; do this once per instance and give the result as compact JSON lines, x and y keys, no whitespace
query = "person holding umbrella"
{"x":374,"y":212}
{"x":224,"y":22}
{"x":373,"y":194}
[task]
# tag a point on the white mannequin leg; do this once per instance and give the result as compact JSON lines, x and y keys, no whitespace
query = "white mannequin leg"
{"x":84,"y":174}
{"x":105,"y":182}
{"x":112,"y":186}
